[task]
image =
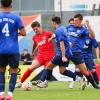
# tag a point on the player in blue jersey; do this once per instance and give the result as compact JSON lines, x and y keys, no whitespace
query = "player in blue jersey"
{"x":63,"y":54}
{"x":87,"y":50}
{"x":76,"y":33}
{"x":9,"y":49}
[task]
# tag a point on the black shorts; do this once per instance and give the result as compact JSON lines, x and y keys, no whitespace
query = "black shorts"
{"x":77,"y":58}
{"x":9,"y":59}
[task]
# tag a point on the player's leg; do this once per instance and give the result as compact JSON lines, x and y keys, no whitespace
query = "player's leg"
{"x":36,"y":63}
{"x":46,"y":75}
{"x":3,"y":64}
{"x":79,"y":61}
{"x":48,"y":71}
{"x":13,"y":61}
{"x":91,"y":67}
{"x":68,"y":73}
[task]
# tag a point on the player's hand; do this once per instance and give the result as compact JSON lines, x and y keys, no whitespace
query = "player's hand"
{"x":64,"y":59}
{"x":86,"y":23}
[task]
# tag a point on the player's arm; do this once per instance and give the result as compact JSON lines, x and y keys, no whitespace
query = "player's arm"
{"x":97,"y":53}
{"x":52,"y":37}
{"x":92,"y":34}
{"x":22,"y":32}
{"x":33,"y":49}
{"x":20,"y":26}
{"x":62,"y":46}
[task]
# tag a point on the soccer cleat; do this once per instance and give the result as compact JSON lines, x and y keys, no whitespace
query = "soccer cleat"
{"x":83,"y":86}
{"x":9,"y":98}
{"x":71,"y":85}
{"x":36,"y":82}
{"x":18,"y":85}
{"x":2,"y":97}
{"x":42,"y":84}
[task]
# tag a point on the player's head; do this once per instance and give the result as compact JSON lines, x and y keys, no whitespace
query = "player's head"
{"x":78,"y":18}
{"x":36,"y":27}
{"x":71,"y":21}
{"x":6,"y":3}
{"x":55,"y":21}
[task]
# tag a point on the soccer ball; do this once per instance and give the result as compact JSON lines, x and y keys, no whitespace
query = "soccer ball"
{"x":27,"y":86}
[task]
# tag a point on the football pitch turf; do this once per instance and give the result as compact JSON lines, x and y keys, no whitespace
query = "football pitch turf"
{"x":58,"y":91}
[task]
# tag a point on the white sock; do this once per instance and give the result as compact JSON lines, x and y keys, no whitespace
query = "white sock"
{"x":2,"y":93}
{"x":10,"y":93}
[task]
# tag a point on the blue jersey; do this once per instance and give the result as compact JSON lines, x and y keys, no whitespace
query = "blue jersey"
{"x":61,"y":36}
{"x":9,"y":25}
{"x":87,"y":45}
{"x":75,"y":35}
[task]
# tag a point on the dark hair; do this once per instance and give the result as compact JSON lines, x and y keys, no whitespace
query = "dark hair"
{"x":35,"y":24}
{"x":56,"y":19}
{"x":71,"y":19}
{"x":6,"y":3}
{"x":80,"y":16}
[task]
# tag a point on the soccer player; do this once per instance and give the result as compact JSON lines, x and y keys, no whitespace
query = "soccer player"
{"x":9,"y":49}
{"x":63,"y":54}
{"x":75,"y":33}
{"x":43,"y":42}
{"x":87,"y":50}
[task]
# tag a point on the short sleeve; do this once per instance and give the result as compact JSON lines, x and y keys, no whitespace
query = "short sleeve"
{"x":94,"y":43}
{"x":60,"y":35}
{"x":49,"y":34}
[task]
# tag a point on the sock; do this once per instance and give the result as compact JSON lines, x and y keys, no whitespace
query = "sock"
{"x":26,"y":75}
{"x":47,"y":74}
{"x":10,"y":93}
{"x":79,"y":74}
{"x":2,"y":81}
{"x":70,"y":74}
{"x":95,"y":76}
{"x":91,"y":80}
{"x":12,"y":82}
{"x":43,"y":76}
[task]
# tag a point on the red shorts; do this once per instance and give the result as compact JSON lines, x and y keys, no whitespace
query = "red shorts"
{"x":44,"y":60}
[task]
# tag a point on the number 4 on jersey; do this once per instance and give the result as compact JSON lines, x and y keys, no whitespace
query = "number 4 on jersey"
{"x":6,"y":29}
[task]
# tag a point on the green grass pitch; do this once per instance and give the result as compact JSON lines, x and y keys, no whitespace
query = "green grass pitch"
{"x":57,"y":91}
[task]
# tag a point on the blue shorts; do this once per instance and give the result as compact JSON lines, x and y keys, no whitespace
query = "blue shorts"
{"x":77,"y":58}
{"x":89,"y":63}
{"x":57,"y":59}
{"x":9,"y":59}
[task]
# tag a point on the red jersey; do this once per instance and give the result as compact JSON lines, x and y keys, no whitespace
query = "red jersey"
{"x":45,"y":47}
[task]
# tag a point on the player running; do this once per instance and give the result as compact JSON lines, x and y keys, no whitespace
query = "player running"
{"x":9,"y":49}
{"x":75,"y":33}
{"x":43,"y":41}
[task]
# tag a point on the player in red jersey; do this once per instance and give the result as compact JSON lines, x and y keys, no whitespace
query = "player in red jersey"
{"x":43,"y":41}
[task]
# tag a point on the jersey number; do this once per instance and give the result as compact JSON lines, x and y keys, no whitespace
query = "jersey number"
{"x":6,"y":29}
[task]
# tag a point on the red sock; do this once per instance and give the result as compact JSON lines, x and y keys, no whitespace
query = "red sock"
{"x":26,"y":75}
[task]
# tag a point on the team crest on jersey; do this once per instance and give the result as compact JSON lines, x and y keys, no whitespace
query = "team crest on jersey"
{"x":87,"y":41}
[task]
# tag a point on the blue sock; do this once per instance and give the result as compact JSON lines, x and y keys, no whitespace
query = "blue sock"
{"x":49,"y":74}
{"x":12,"y":82}
{"x":46,"y":75}
{"x":95,"y":76}
{"x":79,"y":74}
{"x":70,"y":74}
{"x":43,"y":76}
{"x":2,"y":81}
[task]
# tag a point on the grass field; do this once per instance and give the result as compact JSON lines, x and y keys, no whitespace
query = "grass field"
{"x":58,"y":91}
